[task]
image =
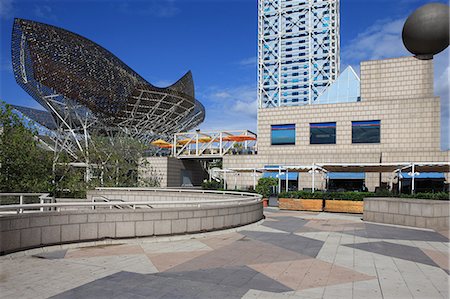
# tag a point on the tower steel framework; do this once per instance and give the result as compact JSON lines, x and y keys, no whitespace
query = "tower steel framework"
{"x":298,"y":50}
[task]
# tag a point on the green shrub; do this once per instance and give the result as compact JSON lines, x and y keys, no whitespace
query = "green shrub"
{"x":359,"y":196}
{"x":211,"y":185}
{"x":265,"y":185}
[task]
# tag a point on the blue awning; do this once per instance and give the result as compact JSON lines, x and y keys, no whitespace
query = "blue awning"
{"x":291,"y":175}
{"x":425,"y":175}
{"x":347,"y":175}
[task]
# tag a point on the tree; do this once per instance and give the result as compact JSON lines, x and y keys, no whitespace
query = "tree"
{"x":265,"y":186}
{"x":24,"y":166}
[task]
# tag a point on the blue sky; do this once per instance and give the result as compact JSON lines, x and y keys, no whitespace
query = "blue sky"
{"x":216,"y":39}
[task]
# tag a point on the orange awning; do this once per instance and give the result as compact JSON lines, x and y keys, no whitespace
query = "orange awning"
{"x":239,"y":138}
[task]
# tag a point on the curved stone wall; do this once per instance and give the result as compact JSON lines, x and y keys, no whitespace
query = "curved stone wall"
{"x":30,"y":230}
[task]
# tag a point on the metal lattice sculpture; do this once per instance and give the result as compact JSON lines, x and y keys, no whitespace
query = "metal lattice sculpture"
{"x":86,"y":88}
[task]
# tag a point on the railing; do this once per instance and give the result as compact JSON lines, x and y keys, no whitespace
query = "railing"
{"x":42,"y":198}
{"x":213,"y":144}
{"x":120,"y":204}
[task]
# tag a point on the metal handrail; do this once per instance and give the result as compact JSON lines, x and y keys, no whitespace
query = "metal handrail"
{"x":110,"y":204}
{"x":42,"y":197}
{"x":177,"y":190}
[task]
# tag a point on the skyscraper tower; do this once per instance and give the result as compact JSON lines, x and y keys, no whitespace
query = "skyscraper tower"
{"x":298,"y":50}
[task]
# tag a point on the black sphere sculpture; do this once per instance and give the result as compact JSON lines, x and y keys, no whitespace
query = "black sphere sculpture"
{"x":426,"y":31}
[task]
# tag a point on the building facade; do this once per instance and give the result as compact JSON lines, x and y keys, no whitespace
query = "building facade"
{"x":298,"y":50}
{"x":396,"y":119}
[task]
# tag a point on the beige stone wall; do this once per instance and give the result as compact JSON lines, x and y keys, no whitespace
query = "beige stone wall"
{"x":169,"y":170}
{"x":405,"y":77}
{"x":398,"y":92}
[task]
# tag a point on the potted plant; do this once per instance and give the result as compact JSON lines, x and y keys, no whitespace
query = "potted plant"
{"x":264,"y":188}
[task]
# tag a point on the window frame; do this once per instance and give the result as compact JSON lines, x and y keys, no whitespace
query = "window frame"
{"x":281,"y":125}
{"x":324,"y":125}
{"x":373,"y":123}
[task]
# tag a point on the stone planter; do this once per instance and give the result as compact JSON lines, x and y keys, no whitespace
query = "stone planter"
{"x":434,"y":214}
{"x":344,"y":206}
{"x":295,"y":204}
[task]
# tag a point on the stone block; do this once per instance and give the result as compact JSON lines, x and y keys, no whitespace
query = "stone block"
{"x":179,"y":226}
{"x":207,"y":223}
{"x":219,"y":222}
{"x":151,"y":215}
{"x":378,"y":217}
{"x":70,"y":232}
{"x":200,"y":213}
{"x":5,"y":225}
{"x":51,"y":234}
{"x":78,"y":218}
{"x":88,"y":231}
{"x":10,"y":240}
{"x":186,"y":214}
{"x":400,"y":219}
{"x":212,"y":212}
{"x":223,"y":211}
{"x":427,"y":210}
{"x":58,"y":220}
{"x":144,"y":228}
{"x":228,"y":221}
{"x":115,"y":217}
{"x":404,"y":208}
{"x":193,"y":224}
{"x":383,"y":206}
{"x":393,"y":207}
{"x":236,"y":219}
{"x":169,"y":215}
{"x":39,"y":221}
{"x":244,"y":218}
{"x":388,"y":218}
{"x":415,"y":209}
{"x":163,"y":227}
{"x":420,"y":221}
{"x":106,"y":230}
{"x":432,"y":222}
{"x":125,"y":229}
{"x":133,"y":216}
{"x":410,"y":220}
{"x":98,"y":217}
{"x":19,"y":223}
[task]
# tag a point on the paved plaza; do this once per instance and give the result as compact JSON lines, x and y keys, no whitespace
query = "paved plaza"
{"x":288,"y":255}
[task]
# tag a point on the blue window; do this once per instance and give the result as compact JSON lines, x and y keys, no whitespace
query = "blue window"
{"x":283,"y":134}
{"x":322,"y":133}
{"x":366,"y":131}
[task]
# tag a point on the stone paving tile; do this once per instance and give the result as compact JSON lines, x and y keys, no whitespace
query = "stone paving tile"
{"x":286,"y":224}
{"x":175,"y":246}
{"x":237,"y":276}
{"x":165,"y":261}
{"x":292,"y":242}
{"x":309,"y":273}
{"x":392,"y":232}
{"x":104,"y":250}
{"x":242,"y":252}
{"x":409,"y":253}
{"x":293,"y":255}
{"x":440,"y":258}
{"x":59,"y":254}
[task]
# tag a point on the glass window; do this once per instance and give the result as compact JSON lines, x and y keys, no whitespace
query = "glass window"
{"x":322,"y":133}
{"x":366,"y":131}
{"x":283,"y":134}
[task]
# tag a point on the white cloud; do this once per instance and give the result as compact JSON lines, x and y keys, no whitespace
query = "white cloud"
{"x":381,"y":40}
{"x":6,"y":8}
{"x":44,"y":11}
{"x":250,"y":61}
{"x":230,"y":108}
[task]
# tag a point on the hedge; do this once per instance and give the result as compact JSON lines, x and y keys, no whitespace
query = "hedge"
{"x":359,"y":196}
